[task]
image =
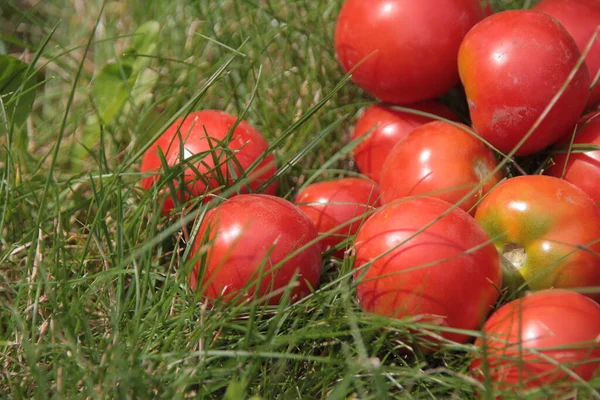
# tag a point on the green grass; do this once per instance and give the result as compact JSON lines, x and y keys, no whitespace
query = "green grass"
{"x":93,"y":297}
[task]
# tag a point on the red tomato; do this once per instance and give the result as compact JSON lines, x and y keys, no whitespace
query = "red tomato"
{"x":582,"y":168}
{"x":411,"y":46}
{"x":559,"y":325}
{"x":543,"y":226}
{"x":197,"y":134}
{"x":580,"y":18}
{"x":386,"y":127}
{"x":450,"y":273}
{"x":247,"y":240}
{"x":512,"y":64}
{"x":342,"y":203}
{"x":439,"y":160}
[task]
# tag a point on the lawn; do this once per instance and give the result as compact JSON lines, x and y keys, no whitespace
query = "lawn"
{"x":93,"y":295}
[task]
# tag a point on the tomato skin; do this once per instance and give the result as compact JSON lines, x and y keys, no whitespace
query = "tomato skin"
{"x":454,"y":288}
{"x":356,"y":198}
{"x":385,"y":128}
{"x":434,"y":158}
{"x":548,"y":219}
{"x":248,"y":143}
{"x":582,"y":169}
{"x":243,"y":232}
{"x":580,"y":18}
{"x":534,"y":55}
{"x":415,"y":45}
{"x":542,"y":321}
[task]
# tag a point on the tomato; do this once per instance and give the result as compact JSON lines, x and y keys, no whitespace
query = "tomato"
{"x":340,"y":203}
{"x":409,"y":47}
{"x":193,"y":137}
{"x":244,"y":249}
{"x":511,"y":65}
{"x":523,"y":338}
{"x":580,"y":18}
{"x":449,"y":273}
{"x":582,"y":168}
{"x":385,"y":127}
{"x":439,"y":160}
{"x":548,"y":228}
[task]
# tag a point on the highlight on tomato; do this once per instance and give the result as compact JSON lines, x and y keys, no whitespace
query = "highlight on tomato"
{"x":210,"y":156}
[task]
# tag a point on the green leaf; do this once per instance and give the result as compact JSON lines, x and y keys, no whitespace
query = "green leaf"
{"x":235,"y":391}
{"x":16,"y":89}
{"x":144,"y":85}
{"x":2,"y":47}
{"x":144,"y":42}
{"x":111,"y":89}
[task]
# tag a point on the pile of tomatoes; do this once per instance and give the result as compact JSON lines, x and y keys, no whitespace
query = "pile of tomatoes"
{"x":436,"y":225}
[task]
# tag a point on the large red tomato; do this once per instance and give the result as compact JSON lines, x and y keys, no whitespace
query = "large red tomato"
{"x":244,"y":249}
{"x":439,"y":160}
{"x":524,"y":339}
{"x":581,"y":18}
{"x":449,"y":273}
{"x":338,"y":207}
{"x":512,"y":64}
{"x":409,"y":47}
{"x":548,"y":228}
{"x":582,"y":168}
{"x":385,"y":127}
{"x":194,"y":137}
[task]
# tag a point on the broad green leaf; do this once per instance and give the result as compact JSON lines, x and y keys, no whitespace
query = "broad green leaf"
{"x":2,"y":47}
{"x":144,"y":42}
{"x":144,"y":85}
{"x":111,"y":88}
{"x":16,"y":89}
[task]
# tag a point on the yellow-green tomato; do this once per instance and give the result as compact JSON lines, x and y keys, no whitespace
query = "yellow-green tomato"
{"x":548,"y":229}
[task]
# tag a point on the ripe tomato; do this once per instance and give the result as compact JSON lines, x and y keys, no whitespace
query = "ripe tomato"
{"x":582,"y":168}
{"x":193,"y":137}
{"x":580,"y":18}
{"x":450,"y":273}
{"x":548,"y":228}
{"x":439,"y":160}
{"x":342,"y":203}
{"x":248,"y":240}
{"x":410,"y":46}
{"x":559,"y":325}
{"x":512,"y":64}
{"x":386,"y":127}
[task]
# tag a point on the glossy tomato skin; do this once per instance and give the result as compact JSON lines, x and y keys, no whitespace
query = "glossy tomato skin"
{"x":249,"y":236}
{"x":582,"y":168}
{"x":580,"y":18}
{"x":430,"y":274}
{"x":247,"y":143}
{"x":439,"y":160}
{"x":558,"y":324}
{"x":511,"y":65}
{"x":541,"y":223}
{"x":341,"y":203}
{"x":411,"y":45}
{"x":385,"y":127}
